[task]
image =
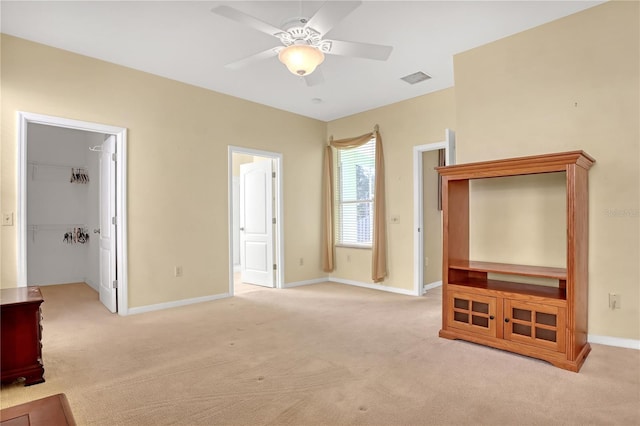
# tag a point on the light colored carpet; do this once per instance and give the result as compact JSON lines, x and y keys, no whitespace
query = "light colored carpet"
{"x":326,"y":354}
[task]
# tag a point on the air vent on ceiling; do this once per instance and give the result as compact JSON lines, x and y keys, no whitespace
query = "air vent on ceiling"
{"x":416,"y":77}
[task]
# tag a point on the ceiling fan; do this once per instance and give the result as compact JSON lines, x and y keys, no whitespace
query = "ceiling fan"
{"x":303,"y":43}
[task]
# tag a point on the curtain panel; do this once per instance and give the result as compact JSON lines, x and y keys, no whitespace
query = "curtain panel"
{"x":379,"y":243}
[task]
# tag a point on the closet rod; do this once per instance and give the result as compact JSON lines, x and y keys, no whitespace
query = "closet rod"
{"x":61,"y":166}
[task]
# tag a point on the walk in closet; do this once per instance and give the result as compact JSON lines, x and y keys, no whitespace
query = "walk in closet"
{"x":62,"y":206}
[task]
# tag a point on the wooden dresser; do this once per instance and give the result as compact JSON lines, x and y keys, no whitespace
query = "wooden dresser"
{"x":21,"y":334}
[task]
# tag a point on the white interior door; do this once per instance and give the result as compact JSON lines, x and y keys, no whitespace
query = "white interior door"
{"x":107,"y":226}
{"x":236,"y":222}
{"x":256,"y":223}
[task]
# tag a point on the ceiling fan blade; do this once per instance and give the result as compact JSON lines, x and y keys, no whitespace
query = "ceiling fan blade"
{"x":315,"y":78}
{"x":253,"y":58}
{"x":360,"y":50}
{"x":330,"y":14}
{"x":243,"y":18}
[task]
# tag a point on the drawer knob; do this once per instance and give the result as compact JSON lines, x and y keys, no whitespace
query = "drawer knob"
{"x":506,"y":320}
{"x":491,"y":317}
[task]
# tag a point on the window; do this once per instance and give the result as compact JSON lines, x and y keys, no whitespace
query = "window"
{"x":355,"y":194}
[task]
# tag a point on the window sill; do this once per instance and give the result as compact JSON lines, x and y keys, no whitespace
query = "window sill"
{"x":354,"y":246}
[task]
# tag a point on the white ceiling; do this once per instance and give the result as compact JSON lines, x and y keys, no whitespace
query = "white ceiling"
{"x":185,"y":41}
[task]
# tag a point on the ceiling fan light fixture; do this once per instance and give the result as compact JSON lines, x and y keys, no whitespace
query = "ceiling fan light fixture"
{"x":301,"y":59}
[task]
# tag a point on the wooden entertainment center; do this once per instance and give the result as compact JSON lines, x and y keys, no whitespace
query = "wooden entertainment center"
{"x":548,"y":323}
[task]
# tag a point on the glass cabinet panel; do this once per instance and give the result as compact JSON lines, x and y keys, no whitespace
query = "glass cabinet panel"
{"x":534,"y":323}
{"x":473,"y":313}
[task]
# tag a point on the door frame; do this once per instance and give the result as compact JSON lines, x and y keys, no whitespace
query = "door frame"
{"x":120,"y":133}
{"x":448,"y":145}
{"x":278,"y":252}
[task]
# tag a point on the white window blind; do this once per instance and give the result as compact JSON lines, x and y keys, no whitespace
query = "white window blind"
{"x":355,"y":194}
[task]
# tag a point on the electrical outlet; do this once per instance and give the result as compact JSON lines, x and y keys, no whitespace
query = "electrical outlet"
{"x":301,"y":261}
{"x":178,"y":271}
{"x":614,"y":301}
{"x":7,"y":219}
{"x":426,"y":261}
{"x":348,"y":258}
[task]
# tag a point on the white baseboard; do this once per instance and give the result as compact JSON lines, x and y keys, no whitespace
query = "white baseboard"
{"x":175,"y":304}
{"x":91,"y":284}
{"x":372,"y":286}
{"x":614,"y":341}
{"x":306,"y":282}
{"x":432,"y":285}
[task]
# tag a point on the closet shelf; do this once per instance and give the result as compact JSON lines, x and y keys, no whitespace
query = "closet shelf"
{"x":59,"y":172}
{"x":71,"y":233}
{"x":59,"y":166}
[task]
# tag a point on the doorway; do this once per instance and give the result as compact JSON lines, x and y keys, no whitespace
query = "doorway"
{"x":255,"y":212}
{"x":428,"y":221}
{"x":49,"y":164}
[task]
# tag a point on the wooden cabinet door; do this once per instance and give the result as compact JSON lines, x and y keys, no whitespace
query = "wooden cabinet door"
{"x":473,"y":313}
{"x":535,"y":324}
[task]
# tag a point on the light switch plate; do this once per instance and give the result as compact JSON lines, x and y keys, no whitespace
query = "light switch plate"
{"x":614,"y":301}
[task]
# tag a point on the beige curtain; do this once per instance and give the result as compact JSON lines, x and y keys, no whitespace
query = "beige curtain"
{"x":328,"y":252}
{"x":379,"y":252}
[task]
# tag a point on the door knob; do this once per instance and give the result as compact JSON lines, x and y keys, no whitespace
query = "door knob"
{"x":506,"y":320}
{"x":242,"y":229}
{"x":491,"y":317}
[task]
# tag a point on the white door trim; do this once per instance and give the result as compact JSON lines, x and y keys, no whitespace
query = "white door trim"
{"x":120,"y":133}
{"x":418,"y":215}
{"x":278,"y":252}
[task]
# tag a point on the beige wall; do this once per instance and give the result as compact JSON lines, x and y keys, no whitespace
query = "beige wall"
{"x":569,"y":85}
{"x":239,"y":159}
{"x":177,"y":171}
{"x":519,"y":219}
{"x":403,"y":125}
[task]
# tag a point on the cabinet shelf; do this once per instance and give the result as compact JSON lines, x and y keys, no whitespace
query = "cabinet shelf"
{"x":509,"y":269}
{"x":508,"y":288}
